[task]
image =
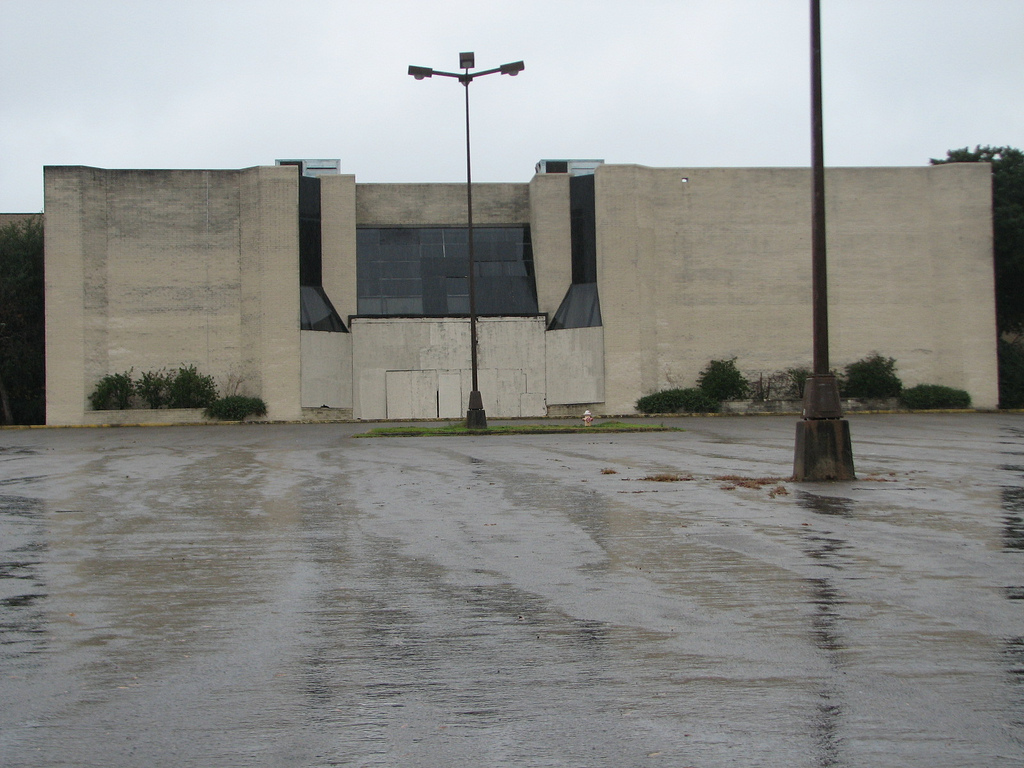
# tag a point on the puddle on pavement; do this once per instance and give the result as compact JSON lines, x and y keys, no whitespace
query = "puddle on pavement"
{"x":835,"y":506}
{"x":827,"y":551}
{"x":1013,"y":518}
{"x":22,"y":586}
{"x":329,"y":628}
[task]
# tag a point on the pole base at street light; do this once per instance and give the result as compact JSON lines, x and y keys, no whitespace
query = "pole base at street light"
{"x":476,"y":417}
{"x":821,"y":398}
{"x":823,"y":448}
{"x":823,"y":451}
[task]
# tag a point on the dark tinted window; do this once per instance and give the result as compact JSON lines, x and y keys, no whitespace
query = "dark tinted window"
{"x":424,"y":272}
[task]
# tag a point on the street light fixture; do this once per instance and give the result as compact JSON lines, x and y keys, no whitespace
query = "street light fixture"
{"x":476,"y":418}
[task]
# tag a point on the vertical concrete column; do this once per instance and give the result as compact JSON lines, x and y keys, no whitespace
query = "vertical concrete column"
{"x":338,"y":229}
{"x":625,"y":248}
{"x":551,"y":235}
{"x":76,"y":288}
{"x":962,"y":280}
{"x":270,"y":287}
{"x":65,"y":289}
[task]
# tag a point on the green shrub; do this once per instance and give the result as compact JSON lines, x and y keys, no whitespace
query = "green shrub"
{"x":190,"y":389}
{"x":1011,"y":375}
{"x":690,"y":400}
{"x":721,"y":380}
{"x":114,"y":391}
{"x":236,"y":408}
{"x":154,"y":388}
{"x":926,"y":397}
{"x":797,"y":380}
{"x":873,"y":377}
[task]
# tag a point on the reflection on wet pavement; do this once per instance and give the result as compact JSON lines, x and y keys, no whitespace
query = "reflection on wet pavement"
{"x":22,"y":588}
{"x":286,"y":596}
{"x":1013,"y":519}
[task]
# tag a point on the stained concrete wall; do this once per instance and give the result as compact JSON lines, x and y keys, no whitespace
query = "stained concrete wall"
{"x":718,"y":266}
{"x":17,"y":218}
{"x":551,"y":235}
{"x":574,"y":366}
{"x":420,"y":367}
{"x":338,"y":241}
{"x":326,"y":369}
{"x":159,"y":269}
{"x":440,"y":205}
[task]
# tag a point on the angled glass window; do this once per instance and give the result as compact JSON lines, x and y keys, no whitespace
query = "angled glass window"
{"x":424,"y":272}
{"x":316,"y":313}
{"x":581,"y":307}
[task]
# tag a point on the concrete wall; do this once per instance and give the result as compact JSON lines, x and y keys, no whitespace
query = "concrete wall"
{"x":159,"y":269}
{"x":420,"y":368}
{"x":440,"y":205}
{"x":17,"y":218}
{"x":551,"y":234}
{"x":326,"y":369}
{"x":574,"y":366}
{"x":338,"y":241}
{"x":718,"y":266}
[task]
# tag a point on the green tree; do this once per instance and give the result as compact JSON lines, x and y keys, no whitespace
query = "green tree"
{"x":872,"y":377}
{"x":1007,"y":227}
{"x":722,"y":380}
{"x":22,"y":329}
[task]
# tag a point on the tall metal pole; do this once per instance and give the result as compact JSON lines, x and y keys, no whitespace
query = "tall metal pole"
{"x":823,"y":448}
{"x":476,"y":416}
{"x":818,"y":270}
{"x":821,"y":392}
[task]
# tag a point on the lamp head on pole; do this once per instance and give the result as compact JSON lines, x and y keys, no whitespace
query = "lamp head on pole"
{"x":512,"y":69}
{"x":467,"y":60}
{"x":421,"y":72}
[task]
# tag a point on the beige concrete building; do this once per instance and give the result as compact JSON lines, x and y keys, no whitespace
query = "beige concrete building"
{"x":329,"y":298}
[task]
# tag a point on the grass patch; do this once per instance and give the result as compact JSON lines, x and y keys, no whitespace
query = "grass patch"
{"x":459,"y":429}
{"x":756,"y":483}
{"x":667,"y":477}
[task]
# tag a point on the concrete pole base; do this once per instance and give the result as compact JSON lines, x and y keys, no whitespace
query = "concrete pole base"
{"x":476,"y":418}
{"x":823,"y":451}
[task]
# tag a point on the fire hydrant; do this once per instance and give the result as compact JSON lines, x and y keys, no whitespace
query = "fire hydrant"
{"x":588,"y":418}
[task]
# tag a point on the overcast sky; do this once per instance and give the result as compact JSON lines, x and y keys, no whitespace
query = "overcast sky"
{"x":679,"y":83}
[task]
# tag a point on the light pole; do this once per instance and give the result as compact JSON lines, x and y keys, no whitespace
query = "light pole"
{"x":823,"y":450}
{"x":476,"y":418}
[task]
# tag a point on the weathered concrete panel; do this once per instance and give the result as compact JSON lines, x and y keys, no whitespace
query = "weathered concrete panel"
{"x":152,"y":270}
{"x":451,"y":403}
{"x":64,"y":243}
{"x":270,"y":287}
{"x":433,"y":205}
{"x":411,"y":394}
{"x":338,"y":241}
{"x":326,"y":369}
{"x":370,"y":394}
{"x":551,"y":235}
{"x":513,"y":343}
{"x":718,"y":266}
{"x":511,"y":362}
{"x":575,"y":366}
{"x":533,"y":404}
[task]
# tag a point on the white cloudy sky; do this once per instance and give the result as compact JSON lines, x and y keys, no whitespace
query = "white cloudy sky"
{"x":236,"y":83}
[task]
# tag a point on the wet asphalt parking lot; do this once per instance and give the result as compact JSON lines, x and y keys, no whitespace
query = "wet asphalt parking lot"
{"x":285,"y":595}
